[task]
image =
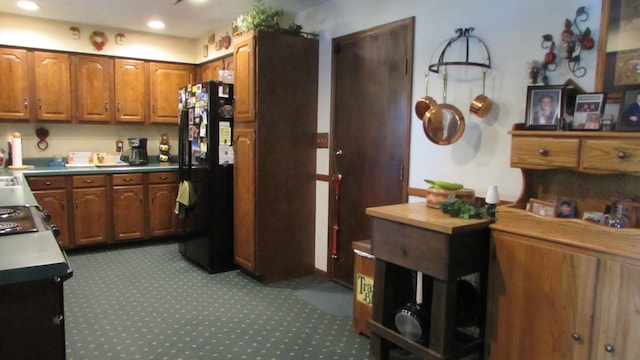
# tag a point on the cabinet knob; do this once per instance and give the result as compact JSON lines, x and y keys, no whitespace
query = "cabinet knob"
{"x":89,"y":181}
{"x":543,"y":152}
{"x":26,"y":103}
{"x":106,"y":106}
{"x":621,"y":155}
{"x":608,"y":348}
{"x":39,"y":104}
{"x":575,"y":336}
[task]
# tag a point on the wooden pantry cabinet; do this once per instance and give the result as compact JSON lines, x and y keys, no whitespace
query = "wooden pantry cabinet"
{"x":275,"y":154}
{"x":566,"y":288}
{"x":209,"y":71}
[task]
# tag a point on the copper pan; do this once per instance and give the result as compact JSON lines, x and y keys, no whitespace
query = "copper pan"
{"x":425,"y":103}
{"x":443,"y":124}
{"x":481,"y":104}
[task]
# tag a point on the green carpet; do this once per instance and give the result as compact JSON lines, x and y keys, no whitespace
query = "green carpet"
{"x":329,"y":298}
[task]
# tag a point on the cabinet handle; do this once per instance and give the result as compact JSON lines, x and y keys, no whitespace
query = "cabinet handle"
{"x":163,"y":177}
{"x":153,"y":108}
{"x":106,"y":106}
{"x":62,"y":204}
{"x":26,"y":103}
{"x":609,"y":348}
{"x":76,"y":203}
{"x":39,"y":104}
{"x":118,"y":106}
{"x":89,"y":181}
{"x":127,"y":179}
{"x":141,"y":198}
{"x":57,"y":320}
{"x":153,"y":198}
{"x":575,"y":336}
{"x":47,"y":183}
{"x":543,"y":152}
{"x":622,"y":155}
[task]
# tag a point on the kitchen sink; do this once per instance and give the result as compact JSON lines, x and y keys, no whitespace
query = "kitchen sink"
{"x":9,"y":181}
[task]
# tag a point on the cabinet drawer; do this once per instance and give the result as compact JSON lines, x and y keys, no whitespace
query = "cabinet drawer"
{"x":611,"y":155}
{"x":541,"y":152}
{"x":163,"y":177}
{"x":127,"y":179}
{"x":46,"y":182}
{"x":89,"y":181}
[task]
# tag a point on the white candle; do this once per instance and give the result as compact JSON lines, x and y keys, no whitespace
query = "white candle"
{"x":16,"y":150}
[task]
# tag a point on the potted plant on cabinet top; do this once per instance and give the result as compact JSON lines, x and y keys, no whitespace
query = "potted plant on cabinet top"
{"x":262,"y":17}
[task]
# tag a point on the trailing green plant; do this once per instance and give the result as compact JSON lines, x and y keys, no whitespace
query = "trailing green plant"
{"x":263,"y":17}
{"x":457,"y":208}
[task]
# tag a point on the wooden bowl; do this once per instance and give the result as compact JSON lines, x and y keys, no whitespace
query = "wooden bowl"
{"x":435,"y":197}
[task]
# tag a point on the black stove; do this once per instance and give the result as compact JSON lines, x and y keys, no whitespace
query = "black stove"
{"x":20,"y":219}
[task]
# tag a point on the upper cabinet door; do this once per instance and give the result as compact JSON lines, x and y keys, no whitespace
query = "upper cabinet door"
{"x":130,"y":94}
{"x":165,"y":80}
{"x":53,"y":86}
{"x":95,"y":79}
{"x":245,"y":79}
{"x":14,"y":75}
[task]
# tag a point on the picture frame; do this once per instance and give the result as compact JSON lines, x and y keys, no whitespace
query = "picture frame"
{"x":543,"y":208}
{"x":588,"y":111}
{"x":618,"y":62}
{"x":629,"y":119}
{"x":565,"y":208}
{"x":545,"y":107}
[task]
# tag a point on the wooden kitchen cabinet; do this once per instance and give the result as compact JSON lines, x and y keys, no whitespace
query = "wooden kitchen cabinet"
{"x":209,"y":71}
{"x":95,"y":88}
{"x":90,"y":211}
{"x":268,"y":171}
{"x":14,"y":75}
{"x":165,"y":80}
{"x":130,"y":96}
{"x":128,"y":206}
{"x":566,"y":288}
{"x":51,"y":194}
{"x":163,"y":190}
{"x":53,"y":86}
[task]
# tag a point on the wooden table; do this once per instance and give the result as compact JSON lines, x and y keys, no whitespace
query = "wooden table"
{"x":411,"y":237}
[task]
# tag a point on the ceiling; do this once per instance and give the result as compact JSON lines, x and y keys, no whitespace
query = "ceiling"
{"x":186,"y":18}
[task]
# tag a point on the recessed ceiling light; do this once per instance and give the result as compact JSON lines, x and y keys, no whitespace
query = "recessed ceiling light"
{"x":156,"y":24}
{"x":28,"y":5}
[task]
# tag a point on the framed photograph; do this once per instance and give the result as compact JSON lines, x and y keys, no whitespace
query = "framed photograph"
{"x":630,"y":111}
{"x":543,"y":208}
{"x":588,"y":111}
{"x":545,"y":107}
{"x":565,"y":208}
{"x":618,"y":67}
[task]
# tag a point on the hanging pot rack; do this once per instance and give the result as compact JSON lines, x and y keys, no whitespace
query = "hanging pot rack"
{"x":468,"y":42}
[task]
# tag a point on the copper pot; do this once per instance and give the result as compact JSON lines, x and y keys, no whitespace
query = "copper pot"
{"x":481,"y":104}
{"x":443,"y":124}
{"x":425,"y":103}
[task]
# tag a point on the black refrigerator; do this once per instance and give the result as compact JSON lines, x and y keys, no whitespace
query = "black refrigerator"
{"x":206,"y":167}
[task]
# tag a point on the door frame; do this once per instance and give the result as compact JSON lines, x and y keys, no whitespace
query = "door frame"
{"x":410,"y":24}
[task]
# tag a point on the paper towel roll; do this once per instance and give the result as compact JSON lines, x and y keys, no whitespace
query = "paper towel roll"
{"x":16,"y":151}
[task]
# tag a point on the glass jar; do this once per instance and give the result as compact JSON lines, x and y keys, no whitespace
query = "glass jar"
{"x":618,"y":219}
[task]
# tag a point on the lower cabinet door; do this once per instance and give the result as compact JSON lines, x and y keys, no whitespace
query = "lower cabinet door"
{"x":541,"y":300}
{"x":90,"y":221}
{"x":162,"y":201}
{"x":128,"y":212}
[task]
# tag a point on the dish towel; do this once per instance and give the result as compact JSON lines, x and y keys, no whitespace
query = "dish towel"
{"x":186,"y":198}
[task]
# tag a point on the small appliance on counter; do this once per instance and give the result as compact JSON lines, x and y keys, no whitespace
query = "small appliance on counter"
{"x":138,"y":151}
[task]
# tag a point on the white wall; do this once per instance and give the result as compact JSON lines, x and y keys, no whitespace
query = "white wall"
{"x":512,"y":30}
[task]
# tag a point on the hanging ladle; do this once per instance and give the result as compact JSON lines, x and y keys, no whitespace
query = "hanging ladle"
{"x":426,"y":102}
{"x":481,"y":104}
{"x":443,"y":124}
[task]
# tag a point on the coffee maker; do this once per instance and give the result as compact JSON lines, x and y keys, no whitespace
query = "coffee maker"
{"x":138,"y":151}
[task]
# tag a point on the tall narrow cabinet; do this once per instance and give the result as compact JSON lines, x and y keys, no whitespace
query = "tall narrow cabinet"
{"x":566,"y":288}
{"x":275,"y":117}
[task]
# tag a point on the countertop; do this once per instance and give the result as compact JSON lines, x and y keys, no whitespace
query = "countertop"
{"x":419,"y":215}
{"x":33,"y":256}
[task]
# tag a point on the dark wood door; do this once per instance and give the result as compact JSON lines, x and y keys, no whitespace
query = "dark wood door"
{"x":372,"y":73}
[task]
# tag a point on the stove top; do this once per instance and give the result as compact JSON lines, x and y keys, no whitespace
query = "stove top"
{"x":21,"y":219}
